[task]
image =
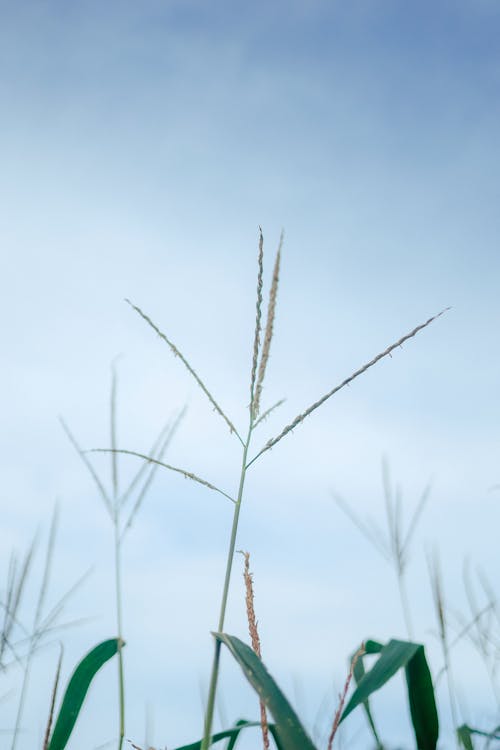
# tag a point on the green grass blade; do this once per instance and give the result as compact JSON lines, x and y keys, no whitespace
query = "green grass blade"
{"x":290,"y":732}
{"x":371,"y":647}
{"x":422,"y":701}
{"x":243,"y":724}
{"x":77,"y":690}
{"x":232,"y":742}
{"x":393,"y":656}
{"x":233,"y":734}
{"x":464,"y":736}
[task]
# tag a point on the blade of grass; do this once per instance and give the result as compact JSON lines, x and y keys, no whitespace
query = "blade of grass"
{"x":393,"y":656}
{"x":289,"y":729}
{"x":77,"y":690}
{"x":358,"y":674}
{"x":233,"y":734}
{"x":422,"y":701}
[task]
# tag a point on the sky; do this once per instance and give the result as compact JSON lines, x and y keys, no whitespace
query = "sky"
{"x":142,"y":146}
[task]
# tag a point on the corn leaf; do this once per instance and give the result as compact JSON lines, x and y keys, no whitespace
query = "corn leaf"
{"x":290,"y":732}
{"x":410,"y":656}
{"x":371,"y":647}
{"x":77,"y":690}
{"x":233,"y":734}
{"x":422,"y":702}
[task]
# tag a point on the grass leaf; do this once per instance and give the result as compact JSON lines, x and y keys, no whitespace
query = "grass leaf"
{"x":233,"y":734}
{"x":393,"y":656}
{"x":371,"y":647}
{"x":464,"y":736}
{"x":77,"y":690}
{"x":290,"y":731}
{"x":410,"y":656}
{"x":422,"y":702}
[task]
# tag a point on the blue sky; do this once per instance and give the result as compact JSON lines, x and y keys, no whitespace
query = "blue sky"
{"x":142,"y":146}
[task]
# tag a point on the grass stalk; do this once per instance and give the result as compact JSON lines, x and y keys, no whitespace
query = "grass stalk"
{"x":212,"y":690}
{"x":260,"y":356}
{"x":121,"y":517}
{"x":440,"y":609}
{"x":119,"y":629}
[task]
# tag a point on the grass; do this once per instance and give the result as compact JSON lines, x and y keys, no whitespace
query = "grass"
{"x":123,"y":503}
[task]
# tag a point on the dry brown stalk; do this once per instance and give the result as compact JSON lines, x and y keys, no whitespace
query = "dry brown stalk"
{"x":343,"y":695}
{"x":256,"y":342}
{"x":254,"y":635}
{"x":268,"y":335}
{"x":300,"y":418}
{"x":179,"y":354}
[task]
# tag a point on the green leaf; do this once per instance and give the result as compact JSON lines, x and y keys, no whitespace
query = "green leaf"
{"x":464,"y":736}
{"x":232,"y":742}
{"x":290,"y":732}
{"x":77,"y":690}
{"x":422,"y":702}
{"x":233,"y":734}
{"x":371,"y":647}
{"x":393,"y":656}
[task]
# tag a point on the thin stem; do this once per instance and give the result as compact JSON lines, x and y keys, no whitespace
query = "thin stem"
{"x":227,"y":579}
{"x":119,"y":627}
{"x":405,"y":605}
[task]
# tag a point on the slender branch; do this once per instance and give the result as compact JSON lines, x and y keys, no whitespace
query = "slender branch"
{"x":268,"y":411}
{"x":102,"y":491}
{"x":186,"y":474}
{"x":179,"y":354}
{"x":300,"y":418}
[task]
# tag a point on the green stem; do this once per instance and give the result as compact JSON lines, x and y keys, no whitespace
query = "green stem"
{"x":209,"y":715}
{"x":118,"y":591}
{"x":405,"y":605}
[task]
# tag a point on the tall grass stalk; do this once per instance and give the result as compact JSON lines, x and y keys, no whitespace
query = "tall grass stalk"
{"x":260,"y":358}
{"x":42,"y":622}
{"x":394,"y":545}
{"x":121,"y":516}
{"x":440,"y":610}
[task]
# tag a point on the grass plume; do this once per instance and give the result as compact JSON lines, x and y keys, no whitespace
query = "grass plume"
{"x":268,"y":335}
{"x":258,"y":316}
{"x":254,"y":636}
